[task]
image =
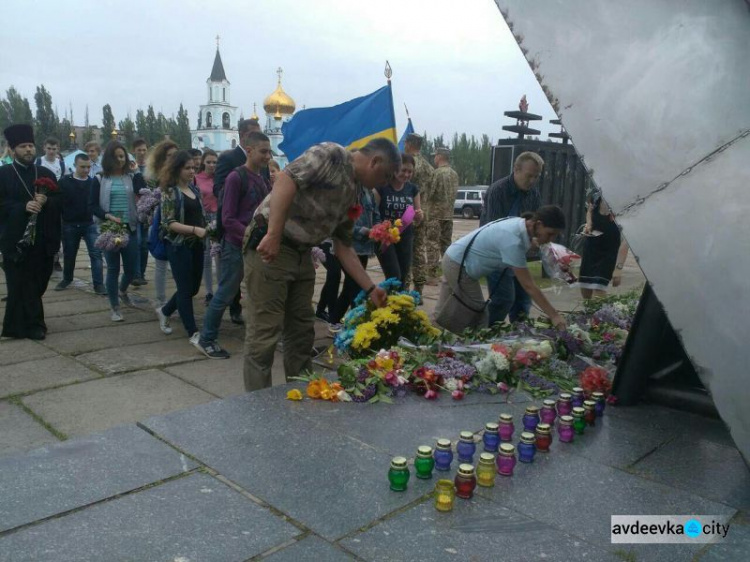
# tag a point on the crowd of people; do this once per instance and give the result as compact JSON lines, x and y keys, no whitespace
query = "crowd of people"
{"x":224,"y":218}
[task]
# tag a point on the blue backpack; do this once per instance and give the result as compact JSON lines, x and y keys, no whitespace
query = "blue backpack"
{"x":156,"y":244}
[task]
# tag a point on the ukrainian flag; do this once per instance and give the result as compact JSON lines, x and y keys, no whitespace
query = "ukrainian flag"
{"x":351,"y":124}
{"x":409,"y":130}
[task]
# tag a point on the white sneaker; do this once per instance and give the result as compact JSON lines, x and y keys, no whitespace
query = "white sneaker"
{"x":195,"y":338}
{"x":163,"y":322}
{"x":116,"y":316}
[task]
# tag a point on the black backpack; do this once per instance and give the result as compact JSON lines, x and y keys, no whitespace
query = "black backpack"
{"x":244,"y":186}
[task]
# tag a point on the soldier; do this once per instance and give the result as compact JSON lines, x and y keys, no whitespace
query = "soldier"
{"x":440,"y":222}
{"x":423,"y":179}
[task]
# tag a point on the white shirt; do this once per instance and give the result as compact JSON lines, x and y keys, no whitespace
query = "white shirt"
{"x":53,"y":166}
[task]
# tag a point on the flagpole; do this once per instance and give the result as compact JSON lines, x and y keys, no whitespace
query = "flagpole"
{"x":388,"y":73}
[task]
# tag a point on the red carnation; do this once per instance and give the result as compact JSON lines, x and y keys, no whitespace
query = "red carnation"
{"x":45,"y":185}
{"x":354,"y":212}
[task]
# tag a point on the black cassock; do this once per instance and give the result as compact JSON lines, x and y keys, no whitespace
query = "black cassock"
{"x":27,"y":272}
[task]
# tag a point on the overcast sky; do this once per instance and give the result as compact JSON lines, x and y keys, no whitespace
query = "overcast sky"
{"x":455,"y":63}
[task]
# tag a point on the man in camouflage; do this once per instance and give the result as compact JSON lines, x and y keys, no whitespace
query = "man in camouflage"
{"x":440,"y":214}
{"x":423,"y":179}
{"x":314,"y":198}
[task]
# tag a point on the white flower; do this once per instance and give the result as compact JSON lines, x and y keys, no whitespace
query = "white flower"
{"x":451,"y":385}
{"x":545,"y":349}
{"x":499,"y":361}
{"x":343,"y":396}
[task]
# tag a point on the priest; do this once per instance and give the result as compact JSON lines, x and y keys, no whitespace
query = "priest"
{"x":27,"y":258}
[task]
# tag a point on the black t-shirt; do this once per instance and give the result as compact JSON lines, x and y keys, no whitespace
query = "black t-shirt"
{"x":393,"y":203}
{"x":193,"y":211}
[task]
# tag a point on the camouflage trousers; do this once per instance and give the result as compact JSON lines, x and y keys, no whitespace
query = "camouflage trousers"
{"x":418,"y":273}
{"x":438,"y":238}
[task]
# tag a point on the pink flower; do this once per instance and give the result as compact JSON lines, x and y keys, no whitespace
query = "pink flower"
{"x":612,"y":399}
{"x":457,"y":394}
{"x":391,"y":378}
{"x":502,"y":387}
{"x":460,"y":384}
{"x":500,"y":348}
{"x":431,"y":394}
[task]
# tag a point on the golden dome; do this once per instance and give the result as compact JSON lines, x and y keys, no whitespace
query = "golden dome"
{"x":255,"y":114}
{"x":279,"y":102}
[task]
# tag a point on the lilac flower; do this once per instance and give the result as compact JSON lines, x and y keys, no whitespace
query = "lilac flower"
{"x":449,"y":367}
{"x":367,"y":392}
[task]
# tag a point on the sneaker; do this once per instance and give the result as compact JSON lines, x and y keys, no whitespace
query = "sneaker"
{"x":237,"y":319}
{"x":62,"y":285}
{"x":125,"y":299}
{"x":163,"y":322}
{"x":335,"y":328}
{"x":211,"y":350}
{"x":116,"y":316}
{"x":100,"y":290}
{"x":138,"y":282}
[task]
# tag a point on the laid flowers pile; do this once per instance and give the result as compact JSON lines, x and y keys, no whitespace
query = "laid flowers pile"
{"x":395,"y":351}
{"x":112,"y":236}
{"x":367,"y":328}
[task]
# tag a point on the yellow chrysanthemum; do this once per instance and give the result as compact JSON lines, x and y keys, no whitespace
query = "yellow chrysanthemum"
{"x":313,"y":389}
{"x":326,"y":394}
{"x":294,"y":394}
{"x":398,"y":223}
{"x":401,"y":302}
{"x":384,"y":316}
{"x":364,"y":335}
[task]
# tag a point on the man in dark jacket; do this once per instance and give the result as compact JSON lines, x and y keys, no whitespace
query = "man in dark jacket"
{"x":511,"y":197}
{"x":27,"y":259}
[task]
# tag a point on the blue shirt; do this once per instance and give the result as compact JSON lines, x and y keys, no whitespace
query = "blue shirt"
{"x":499,"y":245}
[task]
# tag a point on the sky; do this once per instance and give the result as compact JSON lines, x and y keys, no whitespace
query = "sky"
{"x":455,"y":63}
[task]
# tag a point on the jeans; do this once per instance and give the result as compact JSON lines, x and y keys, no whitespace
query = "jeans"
{"x":507,"y":297}
{"x":129,"y":255}
{"x":330,"y":291}
{"x":396,"y":259}
{"x":72,"y":234}
{"x":160,"y":279}
{"x":208,"y":262}
{"x":187,"y":268}
{"x":142,"y":249}
{"x":232,"y":270}
{"x":348,"y":294}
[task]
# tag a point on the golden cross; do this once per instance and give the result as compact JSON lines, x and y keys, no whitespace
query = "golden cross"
{"x":217,"y":41}
{"x":279,"y":71}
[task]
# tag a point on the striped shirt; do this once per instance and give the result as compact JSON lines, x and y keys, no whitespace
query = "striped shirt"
{"x":118,"y":200}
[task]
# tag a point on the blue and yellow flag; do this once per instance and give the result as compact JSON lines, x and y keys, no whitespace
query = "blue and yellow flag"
{"x":409,"y":130}
{"x":351,"y":124}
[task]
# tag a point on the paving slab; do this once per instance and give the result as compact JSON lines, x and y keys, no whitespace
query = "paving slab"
{"x":265,"y":447}
{"x":705,"y":468}
{"x":476,"y":530}
{"x":104,"y":403}
{"x":44,"y":373}
{"x":170,"y":350}
{"x":104,"y":337}
{"x":17,"y":351}
{"x":93,"y":320}
{"x":593,"y":493}
{"x":80,"y":305}
{"x":68,"y":475}
{"x":195,"y":518}
{"x":221,"y":378}
{"x":19,"y":431}
{"x":735,"y":546}
{"x":310,"y":549}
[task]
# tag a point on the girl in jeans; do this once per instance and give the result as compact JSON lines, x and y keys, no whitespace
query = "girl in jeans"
{"x":113,"y":198}
{"x":205,"y":182}
{"x":392,"y":200}
{"x":156,"y":161}
{"x":183,"y":228}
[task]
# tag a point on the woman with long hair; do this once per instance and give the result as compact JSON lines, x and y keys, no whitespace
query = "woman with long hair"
{"x":205,"y":182}
{"x":156,"y":161}
{"x":183,"y":226}
{"x":112,"y":198}
{"x":392,"y":200}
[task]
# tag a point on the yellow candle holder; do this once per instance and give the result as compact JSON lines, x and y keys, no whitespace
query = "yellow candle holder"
{"x":445,"y":495}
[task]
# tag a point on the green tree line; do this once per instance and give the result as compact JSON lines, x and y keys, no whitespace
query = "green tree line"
{"x":470,"y":157}
{"x":152,"y":126}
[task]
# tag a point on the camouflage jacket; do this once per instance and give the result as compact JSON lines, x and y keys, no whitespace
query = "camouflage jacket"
{"x":444,"y":188}
{"x":326,"y":194}
{"x":423,"y":179}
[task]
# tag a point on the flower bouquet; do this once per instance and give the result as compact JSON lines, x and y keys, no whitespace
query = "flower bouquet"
{"x":374,"y":380}
{"x":42,"y":186}
{"x":113,"y":236}
{"x":366,"y":327}
{"x":318,"y":256}
{"x":147,"y":202}
{"x":557,"y":262}
{"x":386,"y":233}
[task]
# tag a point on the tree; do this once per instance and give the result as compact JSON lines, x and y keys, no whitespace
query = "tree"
{"x":14,"y":109}
{"x":47,"y":123}
{"x":182,"y":129}
{"x":108,"y":121}
{"x":140,"y":124}
{"x":152,"y":128}
{"x":127,"y":130}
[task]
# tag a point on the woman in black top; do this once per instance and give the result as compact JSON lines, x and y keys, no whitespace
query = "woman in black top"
{"x":183,"y":228}
{"x":392,"y":200}
{"x":603,"y":254}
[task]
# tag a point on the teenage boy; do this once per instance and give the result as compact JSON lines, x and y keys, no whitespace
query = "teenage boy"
{"x":94,"y":150}
{"x":52,"y":159}
{"x":78,"y":223}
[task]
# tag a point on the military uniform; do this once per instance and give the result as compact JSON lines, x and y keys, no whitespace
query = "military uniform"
{"x":281,"y":292}
{"x":440,"y":223}
{"x":423,"y":179}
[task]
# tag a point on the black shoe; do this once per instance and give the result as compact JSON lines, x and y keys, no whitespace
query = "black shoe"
{"x":4,"y":299}
{"x":100,"y":290}
{"x":210,"y":350}
{"x":37,"y":335}
{"x":62,"y":285}
{"x":139,"y":282}
{"x":237,"y":319}
{"x":323,"y":315}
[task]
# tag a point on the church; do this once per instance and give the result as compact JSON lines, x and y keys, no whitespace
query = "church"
{"x":218,"y":118}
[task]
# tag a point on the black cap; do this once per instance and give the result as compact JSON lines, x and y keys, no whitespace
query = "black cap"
{"x":19,"y":134}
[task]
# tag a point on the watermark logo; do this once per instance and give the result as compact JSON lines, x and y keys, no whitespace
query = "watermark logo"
{"x":668,"y":528}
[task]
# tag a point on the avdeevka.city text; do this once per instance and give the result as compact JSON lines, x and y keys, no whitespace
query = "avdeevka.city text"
{"x":669,"y":528}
